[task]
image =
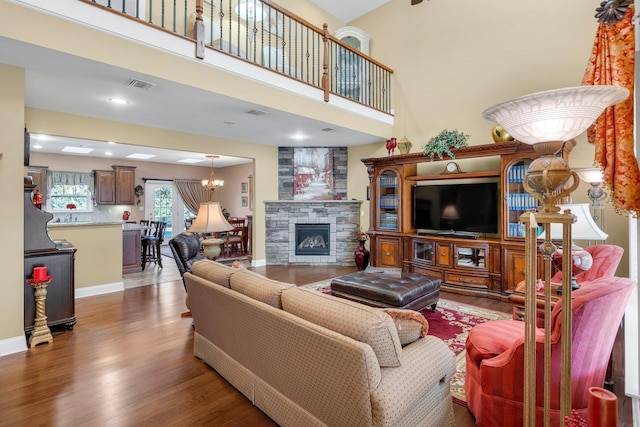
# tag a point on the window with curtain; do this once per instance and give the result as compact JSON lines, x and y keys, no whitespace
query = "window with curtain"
{"x":69,"y":191}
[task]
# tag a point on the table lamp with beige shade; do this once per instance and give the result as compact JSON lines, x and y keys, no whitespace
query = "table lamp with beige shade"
{"x":210,"y":220}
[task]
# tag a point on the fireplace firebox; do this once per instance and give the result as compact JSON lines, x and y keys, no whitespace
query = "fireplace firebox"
{"x":312,"y":239}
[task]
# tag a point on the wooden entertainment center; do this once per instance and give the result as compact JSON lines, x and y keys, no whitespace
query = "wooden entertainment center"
{"x":482,"y":266}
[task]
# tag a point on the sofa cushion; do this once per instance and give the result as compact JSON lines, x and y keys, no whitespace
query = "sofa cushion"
{"x":258,"y":287}
{"x":213,"y":271}
{"x":410,"y":324}
{"x":360,"y":322}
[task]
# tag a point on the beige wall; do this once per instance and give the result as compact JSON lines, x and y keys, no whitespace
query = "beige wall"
{"x":11,"y":208}
{"x":98,"y":258}
{"x":452,"y":60}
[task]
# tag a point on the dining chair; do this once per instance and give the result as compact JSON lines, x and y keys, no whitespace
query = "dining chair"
{"x":235,"y":239}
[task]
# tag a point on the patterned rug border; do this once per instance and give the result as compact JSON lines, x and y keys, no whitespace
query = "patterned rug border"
{"x":457,"y":380}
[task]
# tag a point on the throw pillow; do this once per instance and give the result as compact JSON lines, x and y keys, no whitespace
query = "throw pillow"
{"x":410,"y":324}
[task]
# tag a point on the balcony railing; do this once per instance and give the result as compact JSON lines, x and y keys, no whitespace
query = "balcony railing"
{"x":271,"y":37}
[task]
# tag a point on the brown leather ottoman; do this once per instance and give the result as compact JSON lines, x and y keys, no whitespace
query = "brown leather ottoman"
{"x":412,"y":291}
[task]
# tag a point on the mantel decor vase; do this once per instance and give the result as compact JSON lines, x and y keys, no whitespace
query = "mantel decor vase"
{"x":361,"y":256}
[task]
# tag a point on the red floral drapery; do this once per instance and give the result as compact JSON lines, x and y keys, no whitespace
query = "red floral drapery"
{"x":612,"y":63}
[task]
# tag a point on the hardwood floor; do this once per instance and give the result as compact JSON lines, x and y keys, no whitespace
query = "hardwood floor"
{"x":129,"y":361}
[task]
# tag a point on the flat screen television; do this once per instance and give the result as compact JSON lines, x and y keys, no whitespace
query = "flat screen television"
{"x":456,"y":208}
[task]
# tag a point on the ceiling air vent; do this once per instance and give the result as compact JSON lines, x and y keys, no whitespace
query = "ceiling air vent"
{"x":140,"y":84}
{"x":255,"y":112}
{"x":328,"y":130}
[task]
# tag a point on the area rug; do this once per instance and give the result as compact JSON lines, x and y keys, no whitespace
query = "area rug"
{"x":451,"y":322}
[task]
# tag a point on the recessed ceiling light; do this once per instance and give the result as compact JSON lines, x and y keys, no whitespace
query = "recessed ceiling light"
{"x":39,"y":136}
{"x":108,"y":153}
{"x":299,"y":136}
{"x":141,"y":156}
{"x":36,"y":146}
{"x":111,"y":143}
{"x":191,"y":161}
{"x":77,"y":150}
{"x":120,"y":101}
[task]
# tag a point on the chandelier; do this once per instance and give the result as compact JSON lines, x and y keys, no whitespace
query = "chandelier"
{"x":212,"y":184}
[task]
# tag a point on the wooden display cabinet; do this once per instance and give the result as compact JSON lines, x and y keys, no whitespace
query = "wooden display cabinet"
{"x":40,"y":250}
{"x":486,"y":266}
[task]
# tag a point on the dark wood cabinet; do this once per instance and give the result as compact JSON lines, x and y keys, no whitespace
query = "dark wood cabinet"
{"x":131,"y":260}
{"x":125,"y":183}
{"x":490,"y":266}
{"x":59,"y":258}
{"x":105,"y":182}
{"x":60,"y":303}
{"x":38,"y":175}
{"x":115,"y":187}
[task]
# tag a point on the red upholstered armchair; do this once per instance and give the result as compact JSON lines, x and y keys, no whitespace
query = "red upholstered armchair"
{"x":605,"y":262}
{"x":494,"y":379}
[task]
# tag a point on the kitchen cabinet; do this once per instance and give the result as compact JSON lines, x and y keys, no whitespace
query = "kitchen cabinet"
{"x":125,"y":183}
{"x":115,"y":187}
{"x":105,"y":182}
{"x":131,"y":250}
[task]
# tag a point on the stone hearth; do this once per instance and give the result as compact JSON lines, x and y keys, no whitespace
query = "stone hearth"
{"x":343,"y":217}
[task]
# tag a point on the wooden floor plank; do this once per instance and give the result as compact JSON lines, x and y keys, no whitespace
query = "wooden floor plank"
{"x":129,"y":361}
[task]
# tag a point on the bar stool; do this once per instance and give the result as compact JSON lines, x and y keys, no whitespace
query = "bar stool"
{"x":151,"y":243}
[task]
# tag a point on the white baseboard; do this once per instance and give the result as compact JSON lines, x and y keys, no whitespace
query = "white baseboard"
{"x":99,"y":290}
{"x":13,"y":345}
{"x":258,"y":262}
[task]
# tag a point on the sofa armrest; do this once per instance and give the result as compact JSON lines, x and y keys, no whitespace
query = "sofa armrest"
{"x":427,"y":364}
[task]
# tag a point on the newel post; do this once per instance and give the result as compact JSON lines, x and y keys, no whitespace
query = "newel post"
{"x":199,"y":30}
{"x":325,"y":62}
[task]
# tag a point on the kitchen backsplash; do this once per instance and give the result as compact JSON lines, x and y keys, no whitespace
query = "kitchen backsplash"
{"x":101,"y":213}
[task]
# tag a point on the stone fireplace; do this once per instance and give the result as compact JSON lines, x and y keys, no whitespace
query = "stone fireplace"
{"x":312,"y":239}
{"x":339,"y":220}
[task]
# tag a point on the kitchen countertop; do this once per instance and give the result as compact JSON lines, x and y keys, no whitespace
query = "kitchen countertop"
{"x":87,"y":224}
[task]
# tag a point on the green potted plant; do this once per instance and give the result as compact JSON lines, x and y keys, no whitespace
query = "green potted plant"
{"x":442,"y":143}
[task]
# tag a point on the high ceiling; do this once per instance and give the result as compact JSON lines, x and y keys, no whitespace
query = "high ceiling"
{"x":60,"y":82}
{"x":348,"y":10}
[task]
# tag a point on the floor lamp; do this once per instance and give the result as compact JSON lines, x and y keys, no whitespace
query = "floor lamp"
{"x":210,"y":220}
{"x":547,"y":120}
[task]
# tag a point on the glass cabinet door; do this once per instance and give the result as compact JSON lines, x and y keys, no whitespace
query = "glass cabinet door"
{"x":470,"y":257}
{"x":424,"y":251}
{"x":388,"y":200}
{"x":517,"y":199}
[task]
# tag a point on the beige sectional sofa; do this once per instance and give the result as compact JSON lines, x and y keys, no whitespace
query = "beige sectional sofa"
{"x":310,"y":359}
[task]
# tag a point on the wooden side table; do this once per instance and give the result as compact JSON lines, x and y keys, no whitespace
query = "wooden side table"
{"x":517,"y":299}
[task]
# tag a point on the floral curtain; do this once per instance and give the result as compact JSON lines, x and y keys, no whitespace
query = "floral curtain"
{"x":612,"y":63}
